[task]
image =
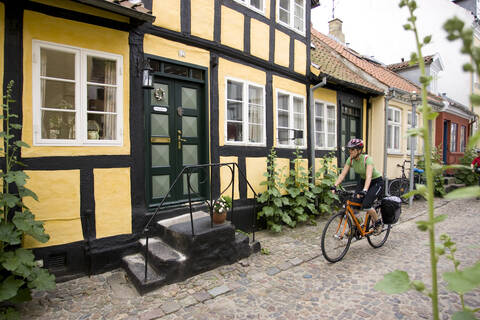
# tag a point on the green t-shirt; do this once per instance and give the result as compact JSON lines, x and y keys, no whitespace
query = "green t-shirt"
{"x":360,"y":166}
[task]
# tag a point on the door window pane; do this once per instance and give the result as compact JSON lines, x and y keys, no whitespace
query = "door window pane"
{"x":193,"y":183}
{"x":159,"y":124}
{"x":159,"y":95}
{"x":175,"y":69}
{"x":160,"y":186}
{"x":190,"y":154}
{"x":160,"y":155}
{"x":189,"y":98}
{"x":189,"y":126}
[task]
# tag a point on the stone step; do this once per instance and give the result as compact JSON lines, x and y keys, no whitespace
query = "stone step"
{"x":178,"y":234}
{"x":165,"y":259}
{"x":452,"y":186}
{"x":449,"y":180}
{"x":134,"y":265}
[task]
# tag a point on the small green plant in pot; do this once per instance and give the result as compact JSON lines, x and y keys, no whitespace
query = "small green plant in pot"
{"x":220,"y":208}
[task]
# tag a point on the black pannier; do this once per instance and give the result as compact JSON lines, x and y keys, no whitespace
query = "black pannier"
{"x":391,"y":208}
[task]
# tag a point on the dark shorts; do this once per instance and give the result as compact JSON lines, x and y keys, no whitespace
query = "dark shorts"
{"x":375,"y":190}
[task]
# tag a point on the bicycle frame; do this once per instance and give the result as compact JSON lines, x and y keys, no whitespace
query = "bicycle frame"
{"x":349,"y":212}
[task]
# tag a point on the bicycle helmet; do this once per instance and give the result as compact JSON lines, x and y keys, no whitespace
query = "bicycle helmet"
{"x":355,"y":144}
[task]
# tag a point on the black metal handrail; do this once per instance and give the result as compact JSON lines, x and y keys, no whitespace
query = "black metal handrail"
{"x":188,"y":170}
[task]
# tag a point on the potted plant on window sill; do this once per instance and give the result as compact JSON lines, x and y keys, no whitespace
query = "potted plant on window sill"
{"x":220,"y":208}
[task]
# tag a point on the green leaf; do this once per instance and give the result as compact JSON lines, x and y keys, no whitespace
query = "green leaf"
{"x":464,"y":315}
{"x":23,"y":294}
{"x":302,"y":201}
{"x":394,"y":282}
{"x":21,"y":144}
{"x":423,"y":225}
{"x":440,"y":218}
{"x":294,"y":192}
{"x":285,"y":201}
{"x":9,"y":234}
{"x":278,"y":202}
{"x":463,"y":281}
{"x":41,"y":279}
{"x":427,"y":39}
{"x":15,"y":126}
{"x":407,"y":26}
{"x":475,"y":99}
{"x":464,"y":193}
{"x":268,"y":211}
{"x":9,"y":314}
{"x":25,"y":192}
{"x":9,"y":287}
{"x":19,"y":261}
{"x":9,"y":199}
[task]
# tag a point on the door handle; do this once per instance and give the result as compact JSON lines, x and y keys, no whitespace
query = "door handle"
{"x":180,"y":140}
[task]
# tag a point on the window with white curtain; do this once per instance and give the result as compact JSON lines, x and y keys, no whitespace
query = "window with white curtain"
{"x":453,"y":137}
{"x":77,"y":95}
{"x":393,"y":129}
{"x":257,"y":5}
{"x":409,"y":126}
{"x":290,"y":119}
{"x":291,"y":13}
{"x":325,"y":126}
{"x":463,"y":138}
{"x":245,"y":120}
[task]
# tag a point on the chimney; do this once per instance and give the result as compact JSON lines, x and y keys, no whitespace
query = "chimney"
{"x":335,"y":29}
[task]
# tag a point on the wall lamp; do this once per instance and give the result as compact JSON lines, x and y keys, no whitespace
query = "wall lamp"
{"x":147,"y":76}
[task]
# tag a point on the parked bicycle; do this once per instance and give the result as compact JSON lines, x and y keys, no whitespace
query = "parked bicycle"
{"x":344,"y":225}
{"x":400,"y":186}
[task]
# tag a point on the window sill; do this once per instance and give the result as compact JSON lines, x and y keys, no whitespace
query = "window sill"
{"x":395,"y":153}
{"x":244,"y":144}
{"x":86,"y":144}
{"x":283,"y":24}
{"x":282,"y":146}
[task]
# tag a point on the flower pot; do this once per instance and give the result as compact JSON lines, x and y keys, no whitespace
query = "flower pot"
{"x":219,"y":217}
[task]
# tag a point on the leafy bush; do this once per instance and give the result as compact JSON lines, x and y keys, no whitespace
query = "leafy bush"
{"x":465,"y":175}
{"x":437,"y":162}
{"x":273,"y":211}
{"x":18,"y":272}
{"x":325,"y":178}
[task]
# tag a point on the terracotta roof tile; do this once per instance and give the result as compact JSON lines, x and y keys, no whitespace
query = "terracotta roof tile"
{"x":331,"y":64}
{"x":406,"y":64}
{"x":380,"y":72}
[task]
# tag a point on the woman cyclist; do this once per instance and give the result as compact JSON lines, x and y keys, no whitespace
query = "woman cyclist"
{"x":371,"y":182}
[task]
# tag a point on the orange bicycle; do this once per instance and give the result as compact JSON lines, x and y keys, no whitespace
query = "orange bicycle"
{"x":344,"y":225}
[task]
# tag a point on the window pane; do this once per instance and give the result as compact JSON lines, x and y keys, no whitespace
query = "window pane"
{"x":193,"y":183}
{"x":331,"y":126}
{"x":57,"y":64}
{"x":255,"y":133}
{"x":197,"y":74}
{"x":397,"y":137}
{"x":282,"y":101}
{"x":319,"y":124}
{"x":319,"y":109}
{"x":234,"y":111}
{"x":389,"y":137}
{"x":320,"y":137}
{"x":234,"y":90}
{"x":102,"y":126}
{"x":331,"y":112}
{"x":255,"y":95}
{"x":331,"y":140}
{"x":390,"y":114}
{"x":397,"y":116}
{"x":255,"y":115}
{"x":175,"y":69}
{"x":101,"y":70}
{"x":298,"y":121}
{"x":283,"y":136}
{"x":189,"y":126}
{"x":283,"y":119}
{"x":101,"y":98}
{"x":257,"y":4}
{"x":234,"y":131}
{"x":285,"y":4}
{"x":160,"y":186}
{"x":58,"y":94}
{"x":298,"y":23}
{"x":58,"y":125}
{"x":298,"y":105}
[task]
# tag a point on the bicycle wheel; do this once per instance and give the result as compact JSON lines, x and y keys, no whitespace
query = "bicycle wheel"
{"x":336,"y":237}
{"x":398,"y":187}
{"x":379,"y":240}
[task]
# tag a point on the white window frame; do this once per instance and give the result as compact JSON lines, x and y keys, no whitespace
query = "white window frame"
{"x":291,"y":25}
{"x":409,"y":126}
{"x":325,"y":104}
{"x":291,"y":141}
{"x":394,"y":124}
{"x":453,"y":137}
{"x":248,"y":4}
{"x":81,"y":103}
{"x":245,"y":106}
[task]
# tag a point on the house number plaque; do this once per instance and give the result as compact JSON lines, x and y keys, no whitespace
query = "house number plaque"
{"x":160,"y":109}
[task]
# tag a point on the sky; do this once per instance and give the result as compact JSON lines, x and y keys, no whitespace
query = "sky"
{"x":375,"y":28}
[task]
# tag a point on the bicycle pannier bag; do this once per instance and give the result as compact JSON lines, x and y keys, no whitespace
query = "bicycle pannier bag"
{"x":391,"y":208}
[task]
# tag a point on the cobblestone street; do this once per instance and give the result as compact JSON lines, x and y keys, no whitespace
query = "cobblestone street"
{"x":293,"y":281}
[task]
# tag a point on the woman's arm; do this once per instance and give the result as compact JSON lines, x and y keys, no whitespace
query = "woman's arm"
{"x":342,"y":175}
{"x":368,"y":177}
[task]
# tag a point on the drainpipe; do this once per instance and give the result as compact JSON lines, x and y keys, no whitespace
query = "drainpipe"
{"x":390,"y":95}
{"x":312,"y":124}
{"x":413,"y":144}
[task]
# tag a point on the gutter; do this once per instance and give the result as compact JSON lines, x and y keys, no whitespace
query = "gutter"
{"x":388,"y":97}
{"x":312,"y":123}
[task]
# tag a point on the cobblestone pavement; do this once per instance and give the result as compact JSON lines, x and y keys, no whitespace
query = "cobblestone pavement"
{"x":293,"y":282}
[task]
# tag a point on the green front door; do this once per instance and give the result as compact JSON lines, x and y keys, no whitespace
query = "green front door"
{"x":350,"y":128}
{"x":176,"y":138}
